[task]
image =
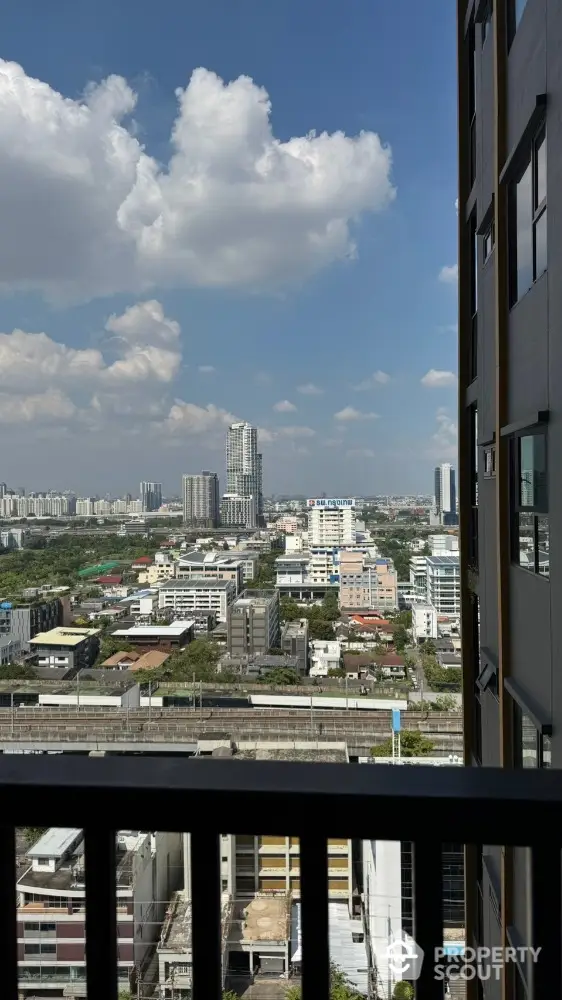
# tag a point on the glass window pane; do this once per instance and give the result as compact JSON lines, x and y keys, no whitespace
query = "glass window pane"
{"x":526,"y":492}
{"x":529,"y":741}
{"x":540,"y":245}
{"x":524,"y":226}
{"x":526,"y":541}
{"x":543,"y":543}
{"x":546,"y":752}
{"x":532,"y":471}
{"x":540,"y":182}
{"x":519,"y":8}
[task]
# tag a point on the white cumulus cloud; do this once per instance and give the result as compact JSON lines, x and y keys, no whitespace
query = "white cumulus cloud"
{"x":50,"y":406}
{"x":449,"y":274}
{"x":309,"y":389}
{"x":85,"y":211}
{"x":445,"y":440}
{"x":284,"y":406}
{"x":435,"y":379}
{"x":377,"y":378}
{"x":350,"y":413}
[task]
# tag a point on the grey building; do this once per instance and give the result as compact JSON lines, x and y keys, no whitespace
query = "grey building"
{"x":201,"y":500}
{"x":253,"y":623}
{"x":510,"y":424}
{"x":71,"y":649}
{"x":21,"y":623}
{"x":244,"y":466}
{"x":294,"y":642}
{"x":151,"y":496}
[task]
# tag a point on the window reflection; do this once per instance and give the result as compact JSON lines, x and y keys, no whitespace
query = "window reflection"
{"x":524,"y":224}
{"x":529,"y":740}
{"x":527,"y":541}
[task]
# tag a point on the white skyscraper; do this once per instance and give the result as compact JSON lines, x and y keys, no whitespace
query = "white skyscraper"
{"x":244,"y":463}
{"x":201,"y":499}
{"x":445,"y":493}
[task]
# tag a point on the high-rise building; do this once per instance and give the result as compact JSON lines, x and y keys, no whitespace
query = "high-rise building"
{"x":201,"y":499}
{"x":446,"y":494}
{"x":331,"y":522}
{"x":151,"y":496}
{"x":510,"y":359}
{"x":244,"y":463}
{"x":238,"y":511}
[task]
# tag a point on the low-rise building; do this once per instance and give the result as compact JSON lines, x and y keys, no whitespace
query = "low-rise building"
{"x":51,"y":908}
{"x":294,"y":642}
{"x":198,"y":595}
{"x":163,"y":568}
{"x":443,"y":545}
{"x":66,"y":648}
{"x":13,"y":538}
{"x":21,"y":622}
{"x":253,"y":623}
{"x":424,"y":622}
{"x":324,"y":656}
{"x":167,"y":637}
{"x":211,"y":566}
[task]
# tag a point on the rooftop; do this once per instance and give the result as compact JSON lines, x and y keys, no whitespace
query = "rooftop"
{"x":197,"y":583}
{"x":265,"y":918}
{"x":117,"y":658}
{"x":63,"y":636}
{"x":139,"y":631}
{"x":55,"y":843}
{"x":452,"y":560}
{"x":154,"y":658}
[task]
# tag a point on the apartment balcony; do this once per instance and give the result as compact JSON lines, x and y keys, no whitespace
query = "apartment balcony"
{"x":318,"y":801}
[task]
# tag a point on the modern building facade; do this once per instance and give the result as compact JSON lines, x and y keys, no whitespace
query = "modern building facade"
{"x":237,"y":511}
{"x":510,"y":427}
{"x":211,"y":566}
{"x":151,"y":496}
{"x":446,"y":494}
{"x":331,"y":525}
{"x":253,"y":623}
{"x":443,"y":584}
{"x":244,"y":464}
{"x":294,"y":642}
{"x":366,"y":583}
{"x":20,"y":624}
{"x":201,"y":500}
{"x":197,"y":594}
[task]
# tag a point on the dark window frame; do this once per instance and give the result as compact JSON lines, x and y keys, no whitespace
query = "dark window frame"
{"x":538,"y":212}
{"x":535,"y":510}
{"x":542,"y":741}
{"x":515,"y":11}
{"x":490,"y":462}
{"x":489,"y":241}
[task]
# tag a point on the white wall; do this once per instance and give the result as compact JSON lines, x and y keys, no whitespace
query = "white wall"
{"x":383,"y":903}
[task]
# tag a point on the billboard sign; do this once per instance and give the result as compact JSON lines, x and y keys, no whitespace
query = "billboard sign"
{"x":323,"y":502}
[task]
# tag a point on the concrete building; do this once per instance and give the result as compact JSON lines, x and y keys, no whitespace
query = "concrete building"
{"x":293,"y":568}
{"x":324,"y":655}
{"x":253,"y":623}
{"x":238,"y":511}
{"x":165,"y":637}
{"x":446,"y":494}
{"x":294,"y":642}
{"x":66,"y":648}
{"x":198,"y":594}
{"x":443,"y":584}
{"x":424,"y":622}
{"x":367,"y":583}
{"x":211,"y":566}
{"x":85,"y":507}
{"x":20,"y":624}
{"x":442,"y":545}
{"x":201,"y":500}
{"x":244,"y":465}
{"x":510,"y":425}
{"x":150,"y":496}
{"x":163,"y":568}
{"x":50,"y":892}
{"x":13,"y":538}
{"x":331,"y":525}
{"x":418,"y":577}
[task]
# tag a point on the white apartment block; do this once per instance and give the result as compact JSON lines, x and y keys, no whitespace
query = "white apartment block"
{"x":424,"y":621}
{"x":188,"y":596}
{"x":331,"y":526}
{"x":85,"y":507}
{"x":418,"y":577}
{"x":443,"y":584}
{"x":442,"y":545}
{"x":13,"y":538}
{"x":324,"y":656}
{"x":163,"y":568}
{"x":237,"y":511}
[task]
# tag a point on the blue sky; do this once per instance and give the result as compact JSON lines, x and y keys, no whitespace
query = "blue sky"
{"x":149,"y":233}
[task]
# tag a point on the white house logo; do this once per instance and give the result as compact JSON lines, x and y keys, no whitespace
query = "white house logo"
{"x":404,"y":958}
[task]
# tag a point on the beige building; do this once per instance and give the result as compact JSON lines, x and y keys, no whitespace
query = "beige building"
{"x":367,"y":583}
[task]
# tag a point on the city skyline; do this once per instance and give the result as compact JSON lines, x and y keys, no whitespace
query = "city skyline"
{"x":121,"y":339}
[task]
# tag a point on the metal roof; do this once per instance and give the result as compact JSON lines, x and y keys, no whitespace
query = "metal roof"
{"x":55,"y":842}
{"x":176,"y":628}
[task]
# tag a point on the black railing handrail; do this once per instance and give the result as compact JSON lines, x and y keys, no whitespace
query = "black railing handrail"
{"x":466,"y":805}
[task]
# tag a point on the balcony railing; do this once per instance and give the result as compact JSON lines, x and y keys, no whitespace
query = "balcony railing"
{"x":425,"y":805}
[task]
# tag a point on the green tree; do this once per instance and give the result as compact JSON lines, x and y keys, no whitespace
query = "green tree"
{"x":280,"y":676}
{"x":400,"y":638}
{"x":412,"y":744}
{"x":429,"y":648}
{"x":320,"y":629}
{"x":445,"y":703}
{"x":403,"y":991}
{"x":340,"y":987}
{"x":32,"y":834}
{"x":17,"y":671}
{"x":330,"y":607}
{"x":438,"y":678}
{"x":289,"y":610}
